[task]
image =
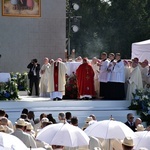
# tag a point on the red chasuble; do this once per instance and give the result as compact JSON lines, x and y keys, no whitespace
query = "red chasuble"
{"x":85,"y":79}
{"x":56,"y":76}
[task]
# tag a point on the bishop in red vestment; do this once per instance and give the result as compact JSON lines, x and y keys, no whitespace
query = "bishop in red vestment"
{"x":85,"y":80}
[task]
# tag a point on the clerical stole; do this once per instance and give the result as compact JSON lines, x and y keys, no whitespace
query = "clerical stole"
{"x":56,"y":64}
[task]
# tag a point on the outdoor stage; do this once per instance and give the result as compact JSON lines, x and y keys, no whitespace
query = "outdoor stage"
{"x":102,"y":109}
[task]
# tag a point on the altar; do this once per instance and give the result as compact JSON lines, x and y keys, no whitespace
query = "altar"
{"x":72,"y":67}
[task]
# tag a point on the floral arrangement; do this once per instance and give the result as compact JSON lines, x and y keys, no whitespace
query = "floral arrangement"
{"x":141,"y":103}
{"x":71,"y":91}
{"x":22,"y":81}
{"x":10,"y":89}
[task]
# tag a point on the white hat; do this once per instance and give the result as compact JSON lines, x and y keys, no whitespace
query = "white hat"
{"x":20,"y":122}
{"x":128,"y":141}
{"x":45,"y":120}
{"x":140,"y":127}
{"x":29,"y":126}
{"x":88,"y":119}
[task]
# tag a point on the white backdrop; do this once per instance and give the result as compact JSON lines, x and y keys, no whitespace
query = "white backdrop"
{"x":141,"y":50}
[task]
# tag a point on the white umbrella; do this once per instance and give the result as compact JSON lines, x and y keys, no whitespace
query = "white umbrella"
{"x":109,"y":129}
{"x":142,"y":140}
{"x":63,"y":134}
{"x":10,"y":142}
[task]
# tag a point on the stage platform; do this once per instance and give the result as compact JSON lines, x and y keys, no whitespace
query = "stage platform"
{"x":102,"y":109}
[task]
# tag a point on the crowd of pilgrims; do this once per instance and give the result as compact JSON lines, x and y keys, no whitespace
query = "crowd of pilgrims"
{"x":27,"y":127}
{"x":109,"y":77}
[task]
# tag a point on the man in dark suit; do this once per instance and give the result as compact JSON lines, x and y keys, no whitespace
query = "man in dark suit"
{"x":34,"y":76}
{"x":130,"y":121}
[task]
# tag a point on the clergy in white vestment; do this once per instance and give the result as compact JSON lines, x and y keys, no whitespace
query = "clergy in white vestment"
{"x":127,"y":70}
{"x":135,"y":80}
{"x":110,"y":68}
{"x":95,"y":67}
{"x":103,"y":74}
{"x":57,"y":79}
{"x":144,"y":69}
{"x":117,"y":79}
{"x":44,"y":78}
{"x":147,"y":86}
{"x":111,"y":65}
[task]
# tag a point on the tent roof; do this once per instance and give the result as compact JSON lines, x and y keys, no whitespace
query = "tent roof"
{"x":142,"y":42}
{"x":141,"y":50}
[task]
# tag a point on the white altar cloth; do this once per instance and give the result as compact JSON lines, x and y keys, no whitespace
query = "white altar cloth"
{"x":72,"y":67}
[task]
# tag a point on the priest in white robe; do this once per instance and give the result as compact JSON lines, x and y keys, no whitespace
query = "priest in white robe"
{"x":110,"y":69}
{"x":57,"y":79}
{"x":135,"y":80}
{"x":103,"y":73}
{"x":147,"y":86}
{"x":144,"y":69}
{"x":44,"y":78}
{"x":94,"y":64}
{"x":127,"y":70}
{"x":117,"y":79}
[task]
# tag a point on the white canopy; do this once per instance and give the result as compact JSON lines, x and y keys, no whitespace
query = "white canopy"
{"x":141,"y":50}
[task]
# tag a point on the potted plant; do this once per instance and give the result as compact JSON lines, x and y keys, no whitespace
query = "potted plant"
{"x":9,"y":90}
{"x":141,"y":103}
{"x":22,"y":84}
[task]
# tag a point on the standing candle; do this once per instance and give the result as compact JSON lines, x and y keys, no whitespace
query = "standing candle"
{"x":73,"y":54}
{"x":66,"y":54}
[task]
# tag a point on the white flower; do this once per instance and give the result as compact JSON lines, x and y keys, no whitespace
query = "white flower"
{"x":144,"y":97}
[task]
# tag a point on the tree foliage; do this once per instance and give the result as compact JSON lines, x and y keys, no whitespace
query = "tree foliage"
{"x":111,"y":28}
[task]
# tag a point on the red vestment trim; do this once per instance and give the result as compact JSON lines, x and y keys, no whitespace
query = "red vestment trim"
{"x":56,"y":76}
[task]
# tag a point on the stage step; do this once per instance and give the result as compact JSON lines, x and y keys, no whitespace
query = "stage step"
{"x":82,"y":109}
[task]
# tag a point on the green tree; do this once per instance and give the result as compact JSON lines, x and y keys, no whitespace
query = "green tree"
{"x":111,"y":28}
{"x":129,"y":21}
{"x":87,"y":41}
